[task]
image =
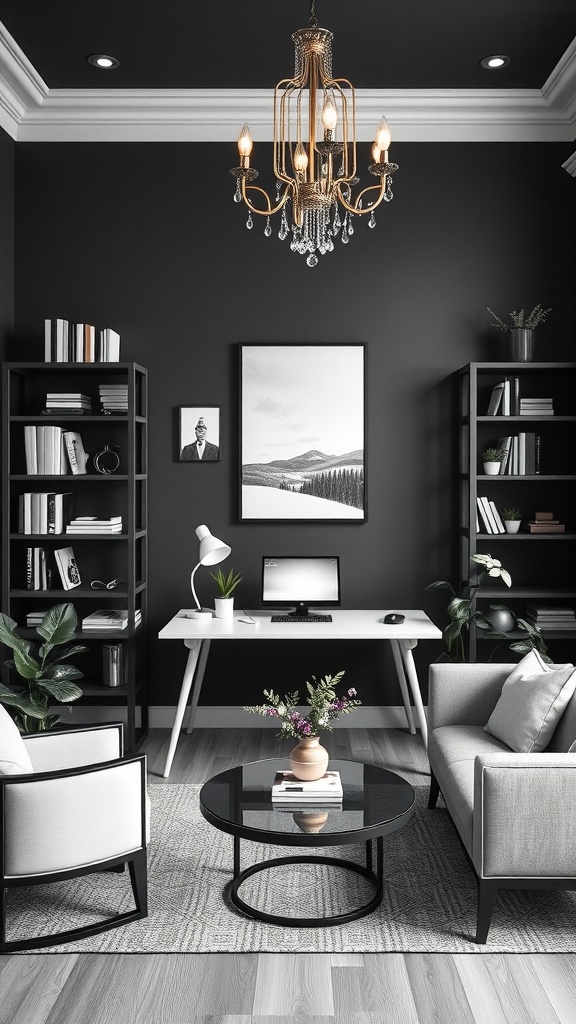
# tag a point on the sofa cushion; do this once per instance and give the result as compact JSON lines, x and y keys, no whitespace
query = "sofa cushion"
{"x":14,"y":758}
{"x":452,"y":750}
{"x":564,"y":736}
{"x":531,"y":704}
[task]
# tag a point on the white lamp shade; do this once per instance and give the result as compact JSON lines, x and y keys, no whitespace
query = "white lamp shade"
{"x":211,"y":550}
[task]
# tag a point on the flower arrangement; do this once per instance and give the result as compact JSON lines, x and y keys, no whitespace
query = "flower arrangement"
{"x":325,"y":707}
{"x":462,"y":614}
{"x":520,"y":320}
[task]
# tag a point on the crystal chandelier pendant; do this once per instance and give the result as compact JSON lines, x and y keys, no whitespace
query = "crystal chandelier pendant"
{"x":249,"y":222}
{"x":312,"y":260}
{"x":267,"y":229}
{"x":238,"y":194}
{"x":372,"y":221}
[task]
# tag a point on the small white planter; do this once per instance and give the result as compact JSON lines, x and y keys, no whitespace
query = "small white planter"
{"x":512,"y":525}
{"x":224,"y":607}
{"x":492,"y":468}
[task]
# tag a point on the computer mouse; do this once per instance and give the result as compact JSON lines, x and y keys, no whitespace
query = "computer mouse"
{"x":394,"y":619}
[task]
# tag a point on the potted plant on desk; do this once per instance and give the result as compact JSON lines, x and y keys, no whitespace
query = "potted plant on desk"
{"x":224,"y":605}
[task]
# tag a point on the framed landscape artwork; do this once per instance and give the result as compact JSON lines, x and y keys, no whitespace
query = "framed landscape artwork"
{"x":302,"y":433}
{"x":199,"y":439}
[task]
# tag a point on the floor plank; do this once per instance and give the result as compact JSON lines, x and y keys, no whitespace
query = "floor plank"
{"x":381,"y":987}
{"x":557,"y":975}
{"x":504,"y":990}
{"x":438,"y":993}
{"x":30,"y":985}
{"x":293,"y":986}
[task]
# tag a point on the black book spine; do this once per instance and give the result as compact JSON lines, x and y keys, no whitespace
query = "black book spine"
{"x":515,"y":396}
{"x":537,"y":448}
{"x":29,"y":569}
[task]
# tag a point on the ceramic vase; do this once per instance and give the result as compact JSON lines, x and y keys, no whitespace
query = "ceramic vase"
{"x":522,"y":345}
{"x":310,"y":821}
{"x":224,"y":607}
{"x":500,"y":618}
{"x":308,"y":759}
{"x":512,"y":525}
{"x":491,"y":468}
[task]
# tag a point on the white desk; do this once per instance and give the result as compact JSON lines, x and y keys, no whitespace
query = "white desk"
{"x":345,"y":625}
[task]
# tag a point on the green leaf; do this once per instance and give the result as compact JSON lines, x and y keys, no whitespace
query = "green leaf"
{"x":59,"y":624}
{"x":50,"y":672}
{"x":26,"y":666}
{"x":451,"y":633}
{"x":60,"y":689}
{"x":27,"y":705}
{"x":8,"y":635}
{"x":66,"y":652}
{"x":459,"y":609}
{"x":440,"y":585}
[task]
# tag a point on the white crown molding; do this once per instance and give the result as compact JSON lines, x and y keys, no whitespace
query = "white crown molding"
{"x":30,"y":112}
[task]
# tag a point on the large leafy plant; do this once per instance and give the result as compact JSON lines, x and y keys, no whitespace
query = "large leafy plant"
{"x":463,"y":614}
{"x":44,"y":676}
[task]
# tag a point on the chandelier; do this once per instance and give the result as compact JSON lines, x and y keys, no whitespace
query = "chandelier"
{"x":314,"y":157}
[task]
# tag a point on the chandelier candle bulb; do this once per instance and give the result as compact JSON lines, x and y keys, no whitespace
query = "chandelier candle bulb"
{"x":245,"y":146}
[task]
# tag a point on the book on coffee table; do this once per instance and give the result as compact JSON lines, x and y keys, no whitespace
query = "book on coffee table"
{"x":287,"y":788}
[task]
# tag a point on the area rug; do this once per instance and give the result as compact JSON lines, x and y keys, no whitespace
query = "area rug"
{"x":429,"y":902}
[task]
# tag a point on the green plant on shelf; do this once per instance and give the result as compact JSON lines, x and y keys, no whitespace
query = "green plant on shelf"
{"x":463,"y":615}
{"x":511,"y":515}
{"x":520,"y":320}
{"x":43,"y":677}
{"x":493,"y":454}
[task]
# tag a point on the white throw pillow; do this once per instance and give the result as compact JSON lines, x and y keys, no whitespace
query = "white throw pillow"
{"x":531,"y":704}
{"x":14,"y":758}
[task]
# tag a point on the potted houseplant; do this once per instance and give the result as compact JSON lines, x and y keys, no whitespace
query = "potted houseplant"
{"x":462,"y":614}
{"x":522,"y":326}
{"x":42,"y":672}
{"x":308,"y":760}
{"x":492,"y":459}
{"x":511,"y":517}
{"x":224,"y":604}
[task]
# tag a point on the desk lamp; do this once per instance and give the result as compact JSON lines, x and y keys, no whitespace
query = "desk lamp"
{"x":211,"y":551}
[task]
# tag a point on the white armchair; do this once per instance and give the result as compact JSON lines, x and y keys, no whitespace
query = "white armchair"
{"x":81,"y":808}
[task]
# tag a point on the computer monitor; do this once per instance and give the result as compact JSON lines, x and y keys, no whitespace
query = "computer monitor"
{"x":300,"y":581}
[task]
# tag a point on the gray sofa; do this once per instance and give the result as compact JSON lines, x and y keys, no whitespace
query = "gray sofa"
{"x":515,"y":813}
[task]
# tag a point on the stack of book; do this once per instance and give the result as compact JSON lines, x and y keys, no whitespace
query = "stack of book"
{"x":62,"y":403}
{"x":47,"y":512}
{"x":536,"y":407}
{"x":34,"y":619}
{"x":489,"y":516}
{"x":547,"y":618}
{"x":544,"y":522}
{"x":522,"y":454}
{"x":114,"y":398}
{"x":66,"y":342}
{"x":44,"y":450}
{"x":287,"y":789}
{"x":38,"y":572}
{"x":107,"y":619}
{"x":90,"y":524}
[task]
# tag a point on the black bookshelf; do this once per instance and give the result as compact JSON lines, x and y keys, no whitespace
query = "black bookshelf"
{"x":541,"y":565}
{"x":122,"y":556}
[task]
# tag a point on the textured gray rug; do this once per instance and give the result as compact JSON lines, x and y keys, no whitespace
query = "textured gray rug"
{"x":429,"y":903}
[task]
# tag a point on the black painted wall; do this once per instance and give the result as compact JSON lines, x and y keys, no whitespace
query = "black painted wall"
{"x":145,"y":238}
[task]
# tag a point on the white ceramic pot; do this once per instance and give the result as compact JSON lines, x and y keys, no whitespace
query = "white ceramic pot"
{"x":224,"y":607}
{"x":512,"y":525}
{"x":492,"y":468}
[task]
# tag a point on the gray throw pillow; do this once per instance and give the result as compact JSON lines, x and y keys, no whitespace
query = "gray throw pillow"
{"x":532,"y":701}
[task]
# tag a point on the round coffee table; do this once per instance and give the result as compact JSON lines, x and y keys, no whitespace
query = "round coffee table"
{"x":376,"y":802}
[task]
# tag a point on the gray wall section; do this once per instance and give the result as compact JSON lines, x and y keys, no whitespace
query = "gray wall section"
{"x":145,"y":238}
{"x":6,"y":243}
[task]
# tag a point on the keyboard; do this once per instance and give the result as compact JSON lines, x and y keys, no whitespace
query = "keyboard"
{"x":301,"y":618}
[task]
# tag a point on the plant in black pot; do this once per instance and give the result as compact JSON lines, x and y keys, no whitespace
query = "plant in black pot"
{"x":44,"y":677}
{"x":522,"y":325}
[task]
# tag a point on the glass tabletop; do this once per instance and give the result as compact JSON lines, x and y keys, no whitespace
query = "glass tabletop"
{"x":375,"y":801}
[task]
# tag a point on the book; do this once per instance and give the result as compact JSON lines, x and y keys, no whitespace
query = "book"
{"x":504,"y":443}
{"x":506,"y":398}
{"x":109,"y":346}
{"x":537,"y":452}
{"x":515,"y":396}
{"x":545,"y":527}
{"x":545,"y":517}
{"x":109,"y":619}
{"x":495,"y":399}
{"x":499,"y":524}
{"x":89,"y":343}
{"x":63,"y":510}
{"x":77,"y":457}
{"x":30,"y":450}
{"x":61,"y":342}
{"x":488,"y":510}
{"x":287,"y":788}
{"x":484,"y":516}
{"x":522,"y":454}
{"x":67,"y":568}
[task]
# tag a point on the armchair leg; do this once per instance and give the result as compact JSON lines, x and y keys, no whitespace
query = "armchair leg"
{"x":434,"y":791}
{"x":139,"y":878}
{"x":487,"y":892}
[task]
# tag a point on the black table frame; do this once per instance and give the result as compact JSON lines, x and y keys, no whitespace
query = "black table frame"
{"x":368,"y":835}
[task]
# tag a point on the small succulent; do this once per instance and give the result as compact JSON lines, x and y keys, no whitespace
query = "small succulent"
{"x":511,"y":515}
{"x":520,"y":320}
{"x":493,"y":454}
{"x":226,"y":584}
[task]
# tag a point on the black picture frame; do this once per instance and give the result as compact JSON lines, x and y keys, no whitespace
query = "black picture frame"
{"x":302,"y":432}
{"x":189,"y":418}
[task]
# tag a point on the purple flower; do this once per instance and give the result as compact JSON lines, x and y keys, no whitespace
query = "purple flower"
{"x":351,"y":692}
{"x":272,"y":711}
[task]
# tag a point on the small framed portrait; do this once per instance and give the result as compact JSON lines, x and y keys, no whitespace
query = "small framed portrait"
{"x":199,"y":433}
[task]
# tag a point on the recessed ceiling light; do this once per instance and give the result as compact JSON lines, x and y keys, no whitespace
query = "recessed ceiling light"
{"x":498,"y":60}
{"x":103,"y":60}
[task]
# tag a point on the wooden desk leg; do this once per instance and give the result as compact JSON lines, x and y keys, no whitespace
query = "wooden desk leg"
{"x":195,"y":647}
{"x":406,"y":647}
{"x":198,"y":680}
{"x":403,"y":687}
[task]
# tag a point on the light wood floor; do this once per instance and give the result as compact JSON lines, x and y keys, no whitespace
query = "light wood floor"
{"x":248,"y":988}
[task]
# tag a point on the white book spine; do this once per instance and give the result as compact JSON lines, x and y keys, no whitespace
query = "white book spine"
{"x":484,"y":517}
{"x":488,"y":510}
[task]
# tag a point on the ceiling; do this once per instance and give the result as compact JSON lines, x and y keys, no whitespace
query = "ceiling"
{"x":378,"y":44}
{"x":195,"y":72}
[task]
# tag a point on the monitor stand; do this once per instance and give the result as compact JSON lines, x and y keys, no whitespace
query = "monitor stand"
{"x":303,"y":610}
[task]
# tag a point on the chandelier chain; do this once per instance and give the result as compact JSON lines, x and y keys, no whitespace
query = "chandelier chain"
{"x":313,"y":21}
